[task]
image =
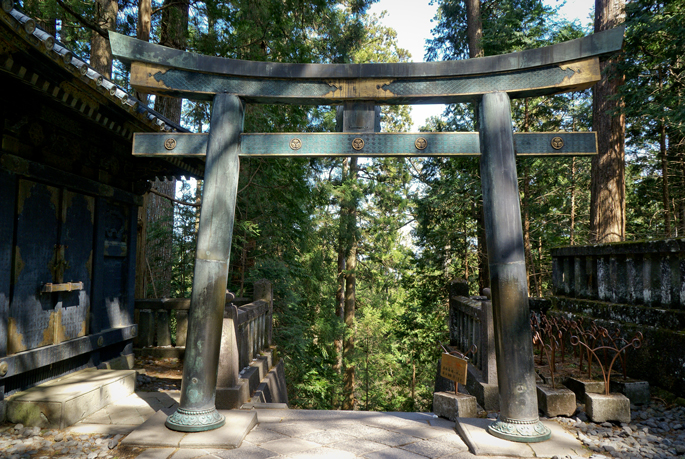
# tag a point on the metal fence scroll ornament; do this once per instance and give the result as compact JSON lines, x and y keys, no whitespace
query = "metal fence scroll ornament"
{"x":549,"y":336}
{"x":549,"y":348}
{"x":608,"y":343}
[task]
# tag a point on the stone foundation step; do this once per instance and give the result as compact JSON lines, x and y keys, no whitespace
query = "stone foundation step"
{"x":65,"y":401}
{"x":261,"y":382}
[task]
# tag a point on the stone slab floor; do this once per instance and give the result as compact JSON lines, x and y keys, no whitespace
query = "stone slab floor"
{"x":302,"y":434}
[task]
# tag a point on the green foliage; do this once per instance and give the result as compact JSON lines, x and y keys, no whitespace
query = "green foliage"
{"x":655,"y":115}
{"x":417,"y":219}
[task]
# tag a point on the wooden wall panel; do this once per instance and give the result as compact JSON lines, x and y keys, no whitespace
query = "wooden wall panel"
{"x":78,"y":216}
{"x":37,"y":260}
{"x":8,"y":184}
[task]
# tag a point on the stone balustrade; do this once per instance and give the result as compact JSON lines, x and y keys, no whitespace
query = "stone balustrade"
{"x":471,"y":323}
{"x":632,"y":287}
{"x":650,"y":273}
{"x":252,"y":323}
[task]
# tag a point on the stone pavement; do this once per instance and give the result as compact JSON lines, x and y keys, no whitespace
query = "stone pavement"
{"x":656,"y":431}
{"x":300,"y":434}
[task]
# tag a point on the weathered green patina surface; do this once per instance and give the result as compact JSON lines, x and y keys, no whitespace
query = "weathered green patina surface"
{"x":567,"y":66}
{"x":374,"y":144}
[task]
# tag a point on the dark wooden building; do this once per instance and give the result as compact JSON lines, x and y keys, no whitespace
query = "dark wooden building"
{"x":69,"y":197}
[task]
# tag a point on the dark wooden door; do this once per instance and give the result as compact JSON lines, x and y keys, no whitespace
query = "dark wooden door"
{"x":54,"y":241}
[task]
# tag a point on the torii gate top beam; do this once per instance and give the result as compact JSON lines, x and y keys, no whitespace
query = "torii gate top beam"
{"x":563,"y":67}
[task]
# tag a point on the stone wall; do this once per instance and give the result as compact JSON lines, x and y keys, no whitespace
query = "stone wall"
{"x":635,"y":287}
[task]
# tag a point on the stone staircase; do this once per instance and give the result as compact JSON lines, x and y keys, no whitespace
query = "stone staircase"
{"x":65,"y":401}
{"x":260,"y":382}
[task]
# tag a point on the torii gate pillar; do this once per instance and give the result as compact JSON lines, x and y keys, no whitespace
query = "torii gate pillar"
{"x":518,"y":419}
{"x":197,"y":410}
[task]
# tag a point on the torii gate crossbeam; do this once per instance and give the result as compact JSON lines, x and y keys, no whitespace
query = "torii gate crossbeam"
{"x":491,"y":81}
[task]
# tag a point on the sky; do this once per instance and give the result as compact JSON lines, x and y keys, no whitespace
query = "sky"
{"x":412,"y":21}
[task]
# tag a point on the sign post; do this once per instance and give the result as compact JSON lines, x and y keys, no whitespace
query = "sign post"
{"x":454,"y":368}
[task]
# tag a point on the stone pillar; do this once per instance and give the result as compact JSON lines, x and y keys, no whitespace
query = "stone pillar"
{"x":162,"y":330}
{"x":229,"y":365}
{"x":181,"y":327}
{"x":518,"y":419}
{"x":197,"y":410}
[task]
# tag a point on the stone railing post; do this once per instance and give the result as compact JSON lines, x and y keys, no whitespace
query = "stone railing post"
{"x":181,"y":327}
{"x":229,"y":363}
{"x":162,"y":329}
{"x":263,"y":290}
{"x":146,"y":331}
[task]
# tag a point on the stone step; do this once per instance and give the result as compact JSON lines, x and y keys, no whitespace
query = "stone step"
{"x":65,"y":401}
{"x":259,"y":383}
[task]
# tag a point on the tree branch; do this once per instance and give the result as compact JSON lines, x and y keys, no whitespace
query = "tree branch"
{"x":250,"y":181}
{"x":84,"y":21}
{"x":183,"y":203}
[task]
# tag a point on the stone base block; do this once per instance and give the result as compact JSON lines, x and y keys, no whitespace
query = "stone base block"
{"x":612,"y":407}
{"x":230,"y":398}
{"x":272,"y":389}
{"x":584,"y":386}
{"x":65,"y":401}
{"x":453,"y":406}
{"x":123,"y":362}
{"x":154,"y":433}
{"x":636,"y":391}
{"x":487,"y":395}
{"x":558,"y":401}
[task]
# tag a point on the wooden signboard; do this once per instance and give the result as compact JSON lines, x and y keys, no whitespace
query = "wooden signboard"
{"x":453,"y":368}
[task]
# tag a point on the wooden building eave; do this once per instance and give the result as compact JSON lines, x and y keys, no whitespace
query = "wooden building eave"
{"x":32,"y":56}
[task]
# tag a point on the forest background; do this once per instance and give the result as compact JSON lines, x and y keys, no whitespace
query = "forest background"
{"x":361,"y":253}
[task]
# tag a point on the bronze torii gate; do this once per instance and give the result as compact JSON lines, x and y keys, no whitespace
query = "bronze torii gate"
{"x":491,"y":81}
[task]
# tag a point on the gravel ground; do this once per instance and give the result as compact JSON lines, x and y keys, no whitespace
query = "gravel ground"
{"x":19,"y":442}
{"x":655,"y":432}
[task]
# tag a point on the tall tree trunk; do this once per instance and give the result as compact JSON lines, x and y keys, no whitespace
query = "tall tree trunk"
{"x":676,"y":150}
{"x":141,"y":260}
{"x":174,"y":32}
{"x":573,"y":200}
{"x":159,"y":255}
{"x":607,"y":202}
{"x":664,"y":178}
{"x":466,"y":250}
{"x":474,"y":28}
{"x":340,"y":292}
{"x":350,"y":294}
{"x":143,"y":31}
{"x":525,"y":207}
{"x":530,"y":264}
{"x":100,"y":53}
{"x":483,"y":266}
{"x":474,"y":32}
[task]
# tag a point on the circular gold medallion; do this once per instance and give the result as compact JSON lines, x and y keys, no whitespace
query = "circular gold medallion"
{"x":295,"y":144}
{"x":358,"y":143}
{"x":170,"y":144}
{"x":557,"y":143}
{"x":4,"y":368}
{"x":101,"y":341}
{"x":421,"y":143}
